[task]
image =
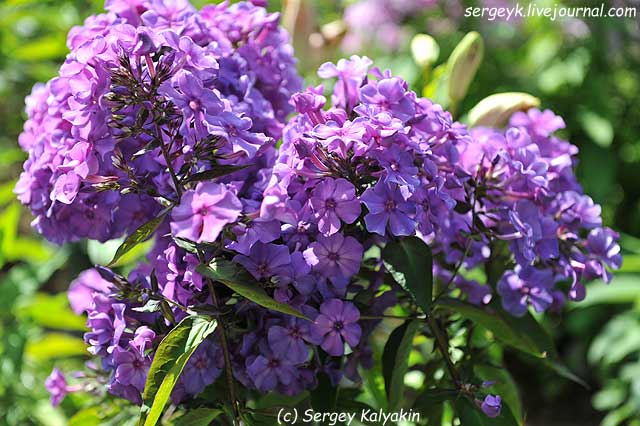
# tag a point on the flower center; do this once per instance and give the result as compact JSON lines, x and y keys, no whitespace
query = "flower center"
{"x":194,"y":105}
{"x":263,"y":268}
{"x":395,"y":166}
{"x":330,"y":203}
{"x":390,"y":205}
{"x":339,"y":325}
{"x":333,"y":256}
{"x":274,"y":363}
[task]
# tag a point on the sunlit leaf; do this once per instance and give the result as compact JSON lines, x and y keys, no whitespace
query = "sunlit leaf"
{"x":170,"y":358}
{"x":239,"y":280}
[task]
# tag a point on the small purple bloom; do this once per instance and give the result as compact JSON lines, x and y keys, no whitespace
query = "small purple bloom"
{"x":335,"y":256}
{"x":337,"y":323}
{"x":56,"y":385}
{"x":265,"y":260}
{"x":203,"y":212}
{"x":388,"y":206}
{"x":131,"y":367}
{"x":333,"y":200}
{"x":289,"y":340}
{"x":202,"y":369}
{"x":524,"y":287}
{"x":269,"y":369}
{"x":492,"y":406}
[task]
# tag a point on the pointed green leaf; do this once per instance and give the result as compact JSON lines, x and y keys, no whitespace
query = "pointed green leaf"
{"x":395,"y":361}
{"x":140,"y":235}
{"x":239,"y":280}
{"x":198,"y":417}
{"x":170,"y":358}
{"x":410,"y":263}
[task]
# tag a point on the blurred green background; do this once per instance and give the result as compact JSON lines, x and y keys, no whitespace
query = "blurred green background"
{"x":587,"y":71}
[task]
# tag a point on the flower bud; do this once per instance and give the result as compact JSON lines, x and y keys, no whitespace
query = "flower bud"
{"x":495,"y":110}
{"x":425,"y":50}
{"x":463,"y":64}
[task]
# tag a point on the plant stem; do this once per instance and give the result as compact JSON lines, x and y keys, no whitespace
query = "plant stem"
{"x":443,"y":347}
{"x":225,"y":349}
{"x":167,"y":159}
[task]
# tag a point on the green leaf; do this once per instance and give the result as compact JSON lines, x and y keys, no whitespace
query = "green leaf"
{"x":495,"y":110}
{"x":325,"y":396}
{"x":171,"y":356}
{"x":240,"y":281}
{"x":198,"y":417}
{"x":52,"y":311}
{"x":140,"y":235}
{"x":524,"y":334}
{"x":429,"y":399}
{"x":54,"y":346}
{"x":395,"y":361}
{"x":410,"y":263}
{"x":218,"y":171}
{"x":91,"y":416}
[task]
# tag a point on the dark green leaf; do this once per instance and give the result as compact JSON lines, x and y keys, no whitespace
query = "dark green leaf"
{"x":143,"y":233}
{"x":524,"y":334}
{"x":431,"y":398}
{"x":395,"y":361}
{"x":198,"y":417}
{"x":410,"y":263}
{"x":218,"y":171}
{"x":324,"y":397}
{"x":240,"y":281}
{"x":171,"y":356}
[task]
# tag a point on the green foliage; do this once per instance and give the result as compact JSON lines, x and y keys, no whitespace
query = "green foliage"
{"x":170,"y":358}
{"x":238,"y":279}
{"x":410,"y":263}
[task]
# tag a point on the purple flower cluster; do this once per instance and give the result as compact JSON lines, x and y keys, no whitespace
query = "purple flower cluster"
{"x":226,"y":70}
{"x":526,"y":200}
{"x":164,"y":112}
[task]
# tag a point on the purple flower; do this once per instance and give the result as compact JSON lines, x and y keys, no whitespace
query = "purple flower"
{"x":333,"y":200}
{"x":265,"y":260}
{"x":203,"y":212}
{"x":390,"y":95}
{"x":335,"y":256}
{"x":399,"y":166}
{"x":269,"y":369}
{"x":524,"y":287}
{"x":351,"y":74}
{"x":337,"y":323}
{"x":388,"y":206}
{"x":56,"y":385}
{"x":83,"y":289}
{"x":491,"y":406}
{"x":131,"y":367}
{"x":602,"y":246}
{"x":235,"y":130}
{"x":289,"y":340}
{"x":203,"y":368}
